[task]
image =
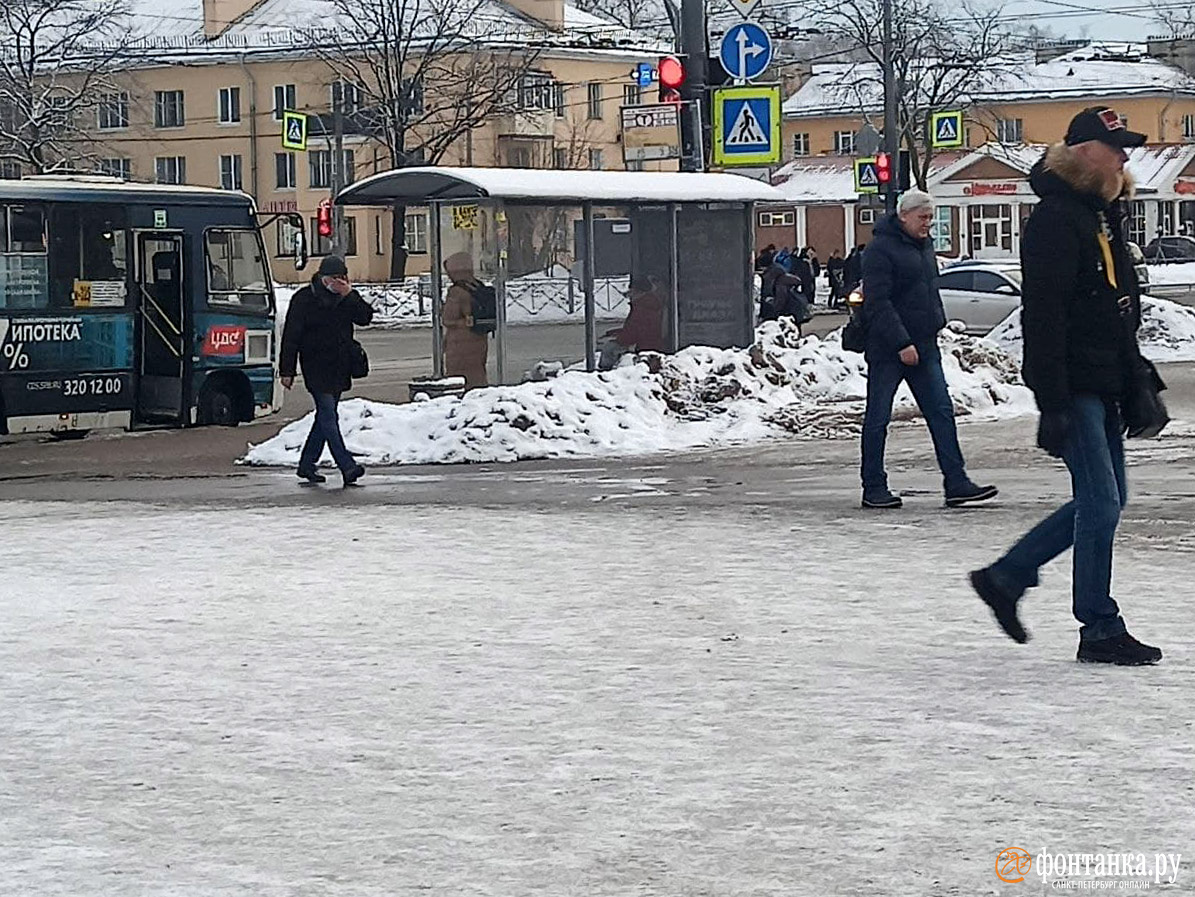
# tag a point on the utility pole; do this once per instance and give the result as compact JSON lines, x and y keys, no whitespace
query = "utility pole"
{"x":338,"y":235}
{"x":891,"y":138}
{"x":692,"y":45}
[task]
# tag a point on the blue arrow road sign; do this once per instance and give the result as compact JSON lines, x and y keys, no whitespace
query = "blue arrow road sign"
{"x":746,"y":51}
{"x":644,"y":74}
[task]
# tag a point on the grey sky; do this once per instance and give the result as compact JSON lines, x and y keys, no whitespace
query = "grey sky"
{"x":1117,"y":20}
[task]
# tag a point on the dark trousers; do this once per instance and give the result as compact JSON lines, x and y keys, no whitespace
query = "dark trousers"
{"x":1094,"y":454}
{"x":325,"y":431}
{"x":928,"y":384}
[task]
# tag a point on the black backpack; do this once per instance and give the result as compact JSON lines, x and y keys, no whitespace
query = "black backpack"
{"x":485,"y":309}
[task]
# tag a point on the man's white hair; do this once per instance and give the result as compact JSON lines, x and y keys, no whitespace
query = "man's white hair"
{"x":913,"y":200}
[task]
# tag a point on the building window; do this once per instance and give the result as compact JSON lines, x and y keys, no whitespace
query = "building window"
{"x":632,"y":95}
{"x":844,"y":143}
{"x":1166,"y":219}
{"x":349,"y":168}
{"x":778,"y":219}
{"x":9,"y":170}
{"x":1189,"y":127}
{"x":116,"y":168}
{"x":230,"y":172}
{"x":170,"y":169}
{"x":287,"y":234}
{"x":539,"y":90}
{"x":323,"y":245}
{"x":348,"y":95}
{"x":168,"y":109}
{"x":320,"y":168}
{"x":284,"y":171}
{"x":594,"y":92}
{"x":114,"y":111}
{"x":939,"y":230}
{"x":417,"y":233}
{"x":230,"y":105}
{"x":636,"y":165}
{"x":560,"y":158}
{"x":800,"y":144}
{"x":1137,"y":223}
{"x":284,"y":99}
{"x":1009,"y":130}
{"x":595,"y":159}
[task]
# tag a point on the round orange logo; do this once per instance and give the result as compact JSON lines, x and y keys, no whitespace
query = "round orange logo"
{"x":1013,"y":861}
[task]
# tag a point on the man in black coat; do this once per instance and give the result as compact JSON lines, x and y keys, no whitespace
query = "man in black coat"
{"x":319,"y":335}
{"x":902,"y":314}
{"x":1081,"y":308}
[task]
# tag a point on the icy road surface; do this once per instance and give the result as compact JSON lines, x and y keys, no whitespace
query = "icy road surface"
{"x":401,"y":701}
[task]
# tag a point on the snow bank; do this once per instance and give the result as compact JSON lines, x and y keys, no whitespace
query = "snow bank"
{"x":699,"y":397}
{"x":1180,"y":273}
{"x":1167,"y":331}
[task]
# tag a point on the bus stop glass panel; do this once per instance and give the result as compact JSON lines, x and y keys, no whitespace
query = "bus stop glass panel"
{"x":544,"y":296}
{"x":469,"y":253}
{"x":632,"y":281}
{"x":713,"y":274}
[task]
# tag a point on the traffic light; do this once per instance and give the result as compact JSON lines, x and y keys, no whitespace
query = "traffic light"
{"x":903,"y":171}
{"x":323,"y":218}
{"x":883,"y":169}
{"x":671,"y":73}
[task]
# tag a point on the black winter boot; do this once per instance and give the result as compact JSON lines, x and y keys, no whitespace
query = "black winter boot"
{"x":1122,"y":650}
{"x":1002,"y":603}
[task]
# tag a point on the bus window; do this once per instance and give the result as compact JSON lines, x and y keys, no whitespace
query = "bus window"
{"x":24,"y":278}
{"x":102,"y":244}
{"x":236,"y":269}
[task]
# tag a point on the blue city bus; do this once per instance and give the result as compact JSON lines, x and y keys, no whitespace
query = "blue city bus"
{"x":133,"y":305}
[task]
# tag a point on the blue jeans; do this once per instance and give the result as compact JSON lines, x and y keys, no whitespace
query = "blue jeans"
{"x":325,"y":430}
{"x":1094,"y":454}
{"x":928,"y":384}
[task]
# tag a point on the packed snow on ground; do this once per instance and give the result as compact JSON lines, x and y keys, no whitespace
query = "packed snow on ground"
{"x":1180,"y":273}
{"x":345,"y":700}
{"x":1167,"y":331}
{"x":699,"y":397}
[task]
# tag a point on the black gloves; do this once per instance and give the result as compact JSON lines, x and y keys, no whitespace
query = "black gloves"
{"x":1052,"y":431}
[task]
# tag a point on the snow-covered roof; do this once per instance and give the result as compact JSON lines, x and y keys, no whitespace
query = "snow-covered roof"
{"x":90,"y":188}
{"x":420,"y":185}
{"x":166,"y":28}
{"x":1096,"y":71}
{"x":831,"y":179}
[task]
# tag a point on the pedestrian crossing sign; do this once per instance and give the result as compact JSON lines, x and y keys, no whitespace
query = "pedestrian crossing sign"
{"x":946,"y":129}
{"x":867,"y":175}
{"x":294,"y":131}
{"x":747,"y":125}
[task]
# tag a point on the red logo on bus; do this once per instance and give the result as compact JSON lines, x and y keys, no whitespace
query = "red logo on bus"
{"x":224,"y":341}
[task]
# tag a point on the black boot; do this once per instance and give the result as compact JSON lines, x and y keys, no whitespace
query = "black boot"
{"x":1002,"y":602}
{"x":970,"y":493}
{"x":880,"y":499}
{"x":353,"y":474}
{"x":1122,"y":650}
{"x":311,"y":475}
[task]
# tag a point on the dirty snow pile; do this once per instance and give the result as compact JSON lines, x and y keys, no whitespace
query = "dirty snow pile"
{"x":653,"y":403}
{"x":1167,"y":331}
{"x":1176,"y":273}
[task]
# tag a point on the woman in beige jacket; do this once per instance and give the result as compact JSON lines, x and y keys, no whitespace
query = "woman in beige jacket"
{"x":464,"y":351}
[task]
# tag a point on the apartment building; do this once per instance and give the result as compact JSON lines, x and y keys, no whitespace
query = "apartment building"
{"x":204,"y":102}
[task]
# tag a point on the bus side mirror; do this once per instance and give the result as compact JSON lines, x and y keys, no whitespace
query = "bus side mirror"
{"x":299,"y":237}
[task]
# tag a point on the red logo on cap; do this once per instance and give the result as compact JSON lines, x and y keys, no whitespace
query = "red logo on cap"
{"x":1111,"y":120}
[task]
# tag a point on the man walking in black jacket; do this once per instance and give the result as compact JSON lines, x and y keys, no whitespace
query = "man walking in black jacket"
{"x":902,"y":313}
{"x":318,"y":334}
{"x":1080,"y":313}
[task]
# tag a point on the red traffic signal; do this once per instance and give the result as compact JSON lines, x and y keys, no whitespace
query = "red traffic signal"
{"x":323,"y":218}
{"x":884,"y":168}
{"x":671,"y":73}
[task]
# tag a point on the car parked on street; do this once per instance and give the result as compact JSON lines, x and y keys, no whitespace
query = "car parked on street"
{"x":1170,"y":249}
{"x":980,"y":294}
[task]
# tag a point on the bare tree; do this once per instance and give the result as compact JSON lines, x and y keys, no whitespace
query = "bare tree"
{"x":939,"y":61}
{"x":56,"y":62}
{"x":427,"y":73}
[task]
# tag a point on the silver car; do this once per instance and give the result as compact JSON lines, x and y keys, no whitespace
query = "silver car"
{"x":980,"y":294}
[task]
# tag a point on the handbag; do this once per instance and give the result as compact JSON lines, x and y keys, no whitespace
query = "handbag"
{"x":360,"y":361}
{"x":1142,"y":410}
{"x":854,"y":335}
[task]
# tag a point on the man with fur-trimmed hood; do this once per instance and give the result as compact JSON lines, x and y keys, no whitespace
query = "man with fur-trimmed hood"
{"x":1081,"y":308}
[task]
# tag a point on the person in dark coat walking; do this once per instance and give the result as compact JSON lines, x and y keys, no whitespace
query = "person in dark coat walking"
{"x":852,"y":269}
{"x":803,"y":269}
{"x":1081,"y":307}
{"x":836,"y":274}
{"x":318,"y":334}
{"x":902,"y":313}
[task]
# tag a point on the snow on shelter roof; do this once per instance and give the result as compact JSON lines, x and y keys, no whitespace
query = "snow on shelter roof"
{"x":92,"y":188}
{"x":422,"y":185}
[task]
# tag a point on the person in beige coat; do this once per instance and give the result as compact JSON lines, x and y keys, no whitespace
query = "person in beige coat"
{"x":464,"y":350}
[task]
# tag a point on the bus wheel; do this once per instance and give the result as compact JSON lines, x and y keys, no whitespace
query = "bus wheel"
{"x":217,"y":407}
{"x":68,"y":435}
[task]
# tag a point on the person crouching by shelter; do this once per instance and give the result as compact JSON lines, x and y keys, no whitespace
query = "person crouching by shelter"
{"x":465,"y":348}
{"x":643,"y":330}
{"x":318,"y":334}
{"x":903,"y":314}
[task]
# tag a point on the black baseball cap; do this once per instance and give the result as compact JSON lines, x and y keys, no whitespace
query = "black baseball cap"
{"x":1102,"y":124}
{"x":333,"y":266}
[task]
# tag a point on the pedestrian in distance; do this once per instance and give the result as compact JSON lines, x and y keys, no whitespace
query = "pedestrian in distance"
{"x":318,"y":335}
{"x":902,"y":315}
{"x":1081,"y":307}
{"x":852,"y":270}
{"x":466,"y":341}
{"x":836,"y":275}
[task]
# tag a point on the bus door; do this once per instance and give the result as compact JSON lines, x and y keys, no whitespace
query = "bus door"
{"x":161,"y":298}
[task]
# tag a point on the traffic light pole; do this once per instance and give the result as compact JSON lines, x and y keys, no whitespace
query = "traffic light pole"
{"x":693,"y":45}
{"x":891,"y":138}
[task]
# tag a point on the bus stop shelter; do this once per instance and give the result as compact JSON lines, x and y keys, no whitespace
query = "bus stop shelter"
{"x":562,"y":249}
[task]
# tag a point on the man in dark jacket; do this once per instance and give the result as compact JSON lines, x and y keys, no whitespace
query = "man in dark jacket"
{"x":1080,"y":313}
{"x":319,"y":335}
{"x":902,"y":314}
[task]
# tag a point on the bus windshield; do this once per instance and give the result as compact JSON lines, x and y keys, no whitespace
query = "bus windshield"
{"x":236,"y":268}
